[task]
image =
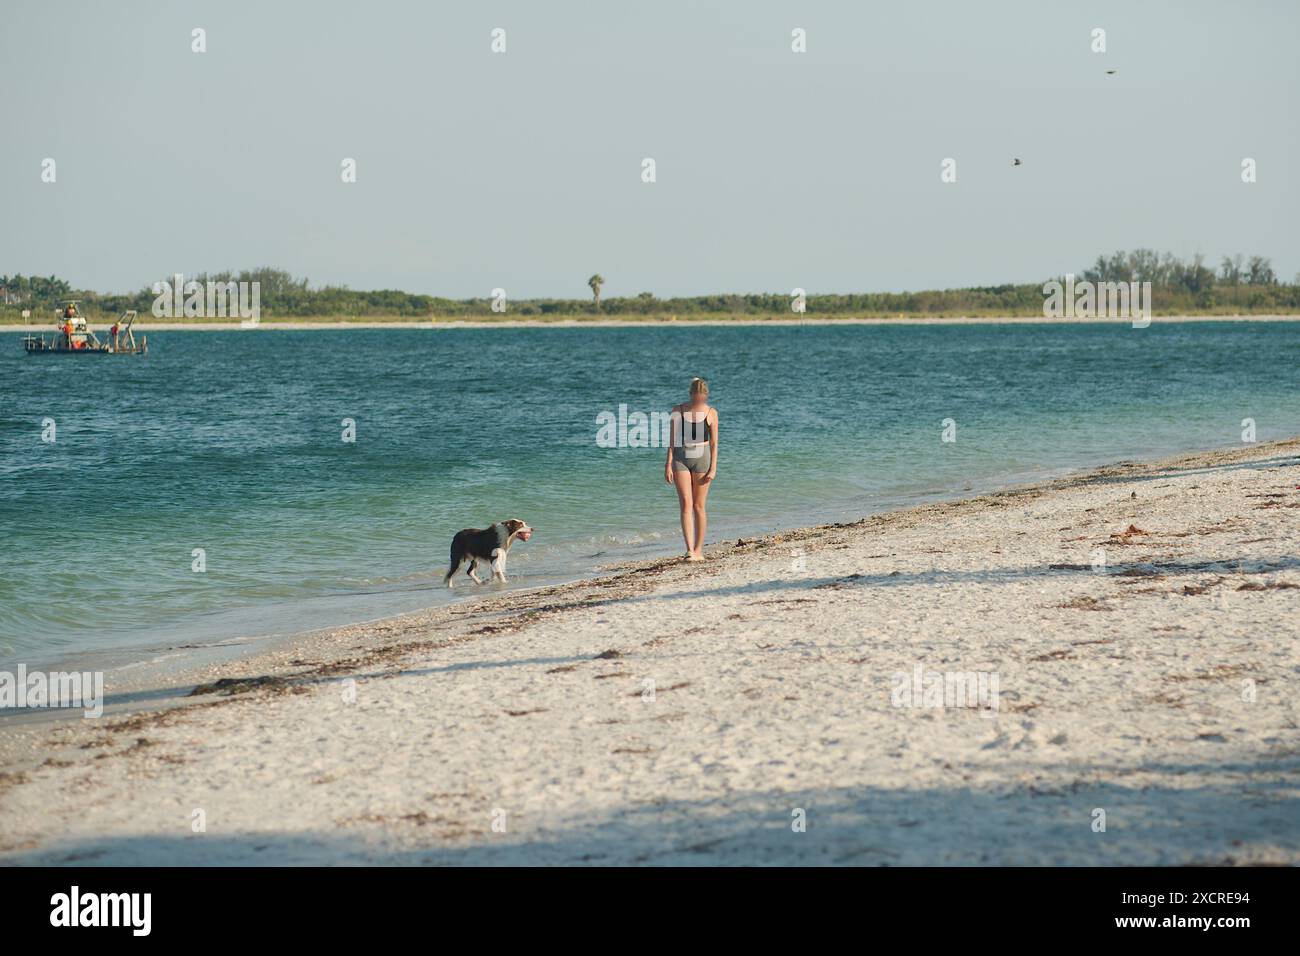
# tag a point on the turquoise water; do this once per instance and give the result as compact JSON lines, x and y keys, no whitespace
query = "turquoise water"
{"x":231,"y":442}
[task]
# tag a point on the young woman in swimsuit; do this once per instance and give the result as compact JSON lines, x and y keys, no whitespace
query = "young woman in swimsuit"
{"x":693,"y":462}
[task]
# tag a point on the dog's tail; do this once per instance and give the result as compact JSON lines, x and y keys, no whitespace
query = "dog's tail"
{"x":455,"y":560}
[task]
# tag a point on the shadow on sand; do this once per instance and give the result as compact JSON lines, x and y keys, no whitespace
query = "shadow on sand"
{"x":879,"y":826}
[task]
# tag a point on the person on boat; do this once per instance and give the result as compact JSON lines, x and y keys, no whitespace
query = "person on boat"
{"x":113,"y":332}
{"x":65,"y":326}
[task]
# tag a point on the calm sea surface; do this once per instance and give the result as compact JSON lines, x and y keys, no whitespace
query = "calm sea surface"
{"x":232,"y":442}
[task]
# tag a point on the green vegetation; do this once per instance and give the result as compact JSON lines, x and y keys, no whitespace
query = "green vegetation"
{"x":1240,"y":286}
{"x":595,"y":282}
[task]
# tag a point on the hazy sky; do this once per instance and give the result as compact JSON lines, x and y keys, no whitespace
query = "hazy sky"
{"x":523,"y":170}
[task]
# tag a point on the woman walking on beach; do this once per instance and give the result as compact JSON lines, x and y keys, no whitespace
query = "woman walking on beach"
{"x":693,"y":462}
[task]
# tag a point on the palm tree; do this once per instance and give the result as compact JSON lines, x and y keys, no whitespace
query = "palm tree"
{"x":596,"y":282}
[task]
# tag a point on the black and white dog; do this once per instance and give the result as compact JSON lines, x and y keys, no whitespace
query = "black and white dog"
{"x":489,"y":545}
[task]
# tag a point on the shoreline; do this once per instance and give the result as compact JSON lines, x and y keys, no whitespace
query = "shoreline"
{"x":998,"y":580}
{"x":434,"y":323}
{"x":188,"y":660}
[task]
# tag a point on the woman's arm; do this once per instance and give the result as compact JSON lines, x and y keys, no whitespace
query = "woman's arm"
{"x":713,"y":447}
{"x":673,"y":418}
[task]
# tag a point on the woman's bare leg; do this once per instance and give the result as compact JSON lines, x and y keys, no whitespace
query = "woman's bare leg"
{"x":699,"y":494}
{"x":686,"y":501}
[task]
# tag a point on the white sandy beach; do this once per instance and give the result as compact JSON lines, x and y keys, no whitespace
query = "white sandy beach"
{"x":689,"y":714}
{"x":272,"y":325}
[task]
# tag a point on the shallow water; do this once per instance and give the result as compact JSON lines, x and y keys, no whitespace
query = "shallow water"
{"x":232,"y":442}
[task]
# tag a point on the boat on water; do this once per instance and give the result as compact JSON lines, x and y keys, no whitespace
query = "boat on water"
{"x":75,"y":337}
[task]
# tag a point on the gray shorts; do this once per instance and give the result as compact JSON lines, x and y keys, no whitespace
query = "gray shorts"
{"x":693,"y":458}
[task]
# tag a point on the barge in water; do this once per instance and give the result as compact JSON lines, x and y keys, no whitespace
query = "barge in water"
{"x":75,"y":337}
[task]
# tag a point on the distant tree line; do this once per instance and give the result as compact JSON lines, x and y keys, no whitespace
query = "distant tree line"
{"x":1169,"y":272}
{"x":1240,"y":285}
{"x":16,"y":290}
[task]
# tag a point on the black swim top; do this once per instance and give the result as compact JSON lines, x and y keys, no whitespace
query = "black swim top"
{"x":691,"y":431}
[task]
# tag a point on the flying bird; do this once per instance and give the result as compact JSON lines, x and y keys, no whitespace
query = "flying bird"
{"x":1110,"y":72}
{"x":1016,"y":161}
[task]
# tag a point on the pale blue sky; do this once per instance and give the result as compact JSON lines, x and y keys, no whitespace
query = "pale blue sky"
{"x":522,"y":170}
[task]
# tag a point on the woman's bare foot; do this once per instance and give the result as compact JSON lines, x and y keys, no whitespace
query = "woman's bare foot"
{"x":695,"y":556}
